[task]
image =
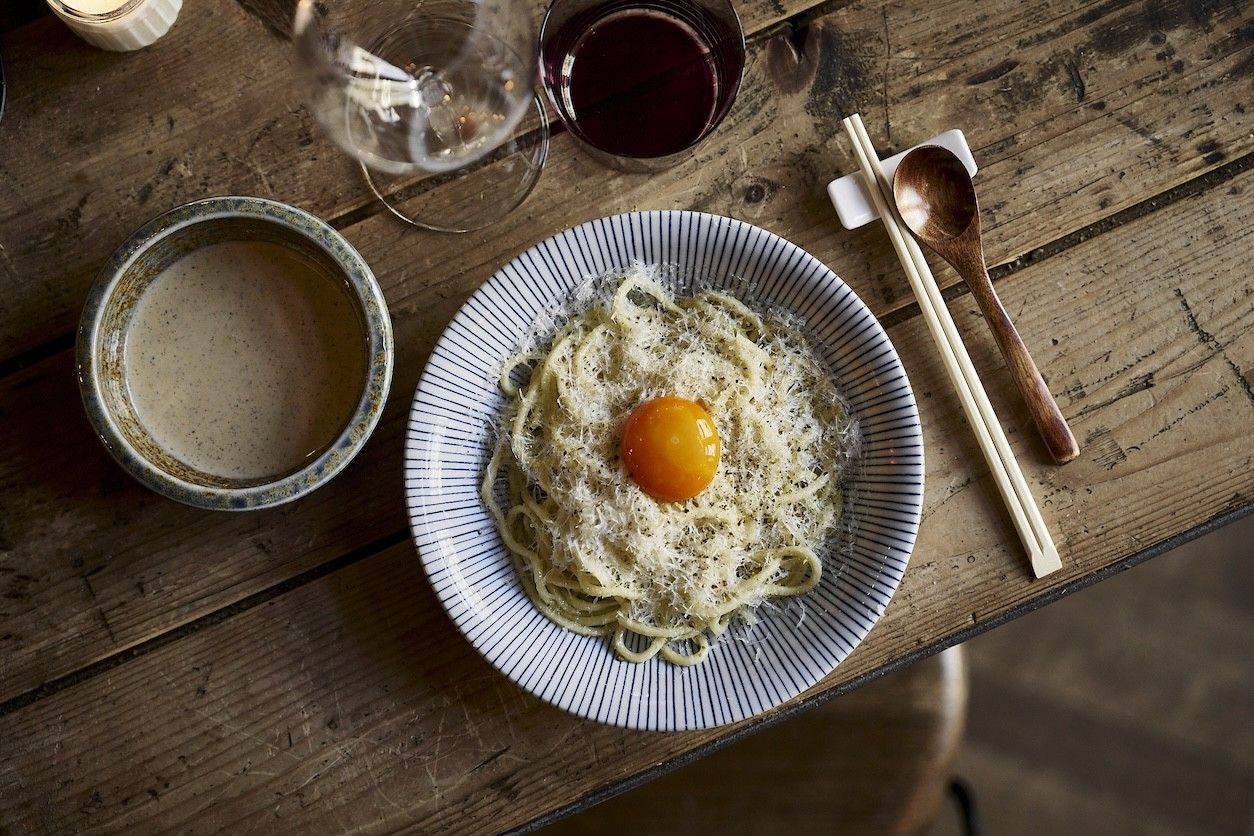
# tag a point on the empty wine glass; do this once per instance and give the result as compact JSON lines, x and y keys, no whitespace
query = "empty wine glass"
{"x":436,"y":87}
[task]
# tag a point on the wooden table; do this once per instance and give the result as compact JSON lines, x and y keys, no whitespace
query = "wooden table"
{"x":168,"y":668}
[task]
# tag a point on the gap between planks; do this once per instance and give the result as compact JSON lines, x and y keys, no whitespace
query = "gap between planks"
{"x":612,"y":789}
{"x":796,"y":22}
{"x":790,"y":26}
{"x":209,"y":619}
{"x":1194,"y":186}
{"x":1208,"y":180}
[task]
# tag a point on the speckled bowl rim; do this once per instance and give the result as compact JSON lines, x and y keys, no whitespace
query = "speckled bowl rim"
{"x":346,"y":445}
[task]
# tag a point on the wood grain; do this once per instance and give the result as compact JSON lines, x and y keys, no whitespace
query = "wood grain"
{"x":1142,"y":723}
{"x":351,"y":700}
{"x":96,"y":565}
{"x":876,"y":760}
{"x":93,"y":147}
{"x":1057,"y":154}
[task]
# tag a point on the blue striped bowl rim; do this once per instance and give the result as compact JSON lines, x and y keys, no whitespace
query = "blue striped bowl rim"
{"x":449,"y":438}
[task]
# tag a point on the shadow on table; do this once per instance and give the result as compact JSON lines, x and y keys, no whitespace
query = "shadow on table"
{"x":276,"y":14}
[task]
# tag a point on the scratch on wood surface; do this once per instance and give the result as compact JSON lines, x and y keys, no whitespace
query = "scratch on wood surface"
{"x":261,"y":175}
{"x":434,"y":760}
{"x":592,"y":744}
{"x":16,"y":779}
{"x":374,"y":776}
{"x":1140,"y":383}
{"x":505,"y":708}
{"x":1208,"y":340}
{"x":343,"y":753}
{"x":6,"y":262}
{"x":270,"y":747}
{"x":1197,"y":407}
{"x":563,"y":739}
{"x":951,"y":490}
{"x":489,"y":759}
{"x":1104,"y":449}
{"x":472,"y":728}
{"x":340,"y":826}
{"x":261,"y":772}
{"x":99,"y":609}
{"x":1073,"y":76}
{"x":213,"y":801}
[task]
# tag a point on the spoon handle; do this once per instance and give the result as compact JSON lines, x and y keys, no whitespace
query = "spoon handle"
{"x":1044,"y":410}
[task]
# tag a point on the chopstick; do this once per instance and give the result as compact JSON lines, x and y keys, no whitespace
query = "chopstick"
{"x":1011,"y":483}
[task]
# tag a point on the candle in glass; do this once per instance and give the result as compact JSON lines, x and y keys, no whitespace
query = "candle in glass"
{"x":118,"y":25}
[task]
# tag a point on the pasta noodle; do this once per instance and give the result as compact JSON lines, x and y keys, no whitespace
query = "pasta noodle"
{"x":600,"y":557}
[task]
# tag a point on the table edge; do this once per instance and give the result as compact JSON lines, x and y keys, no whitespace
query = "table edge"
{"x":639,"y":779}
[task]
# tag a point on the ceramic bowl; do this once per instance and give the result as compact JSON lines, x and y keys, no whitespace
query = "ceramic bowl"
{"x":793,"y":646}
{"x":108,"y":313}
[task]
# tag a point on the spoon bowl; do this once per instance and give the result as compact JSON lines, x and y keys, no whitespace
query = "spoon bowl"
{"x":935,"y":194}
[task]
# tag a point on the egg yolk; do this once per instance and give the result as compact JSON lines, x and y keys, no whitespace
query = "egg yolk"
{"x":671,"y":448}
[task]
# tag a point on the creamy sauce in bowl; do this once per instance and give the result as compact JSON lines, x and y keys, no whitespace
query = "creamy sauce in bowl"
{"x":244,"y":359}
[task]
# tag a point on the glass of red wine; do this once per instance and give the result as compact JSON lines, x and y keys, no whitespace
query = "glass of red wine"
{"x":641,"y":82}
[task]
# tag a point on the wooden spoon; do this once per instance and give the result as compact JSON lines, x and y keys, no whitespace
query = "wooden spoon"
{"x":936,"y":199}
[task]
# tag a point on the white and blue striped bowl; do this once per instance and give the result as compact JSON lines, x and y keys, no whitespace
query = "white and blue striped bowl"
{"x":449,"y":440}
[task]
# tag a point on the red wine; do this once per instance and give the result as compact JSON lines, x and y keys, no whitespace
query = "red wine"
{"x":640,"y":81}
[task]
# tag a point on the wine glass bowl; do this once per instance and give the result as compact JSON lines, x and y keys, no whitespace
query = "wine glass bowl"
{"x":443,"y":88}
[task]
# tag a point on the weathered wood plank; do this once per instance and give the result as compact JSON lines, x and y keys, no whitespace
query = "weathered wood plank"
{"x":1053,"y":158}
{"x":352,"y":699}
{"x":97,"y":564}
{"x":406,"y":743}
{"x":96,"y":143}
{"x":136,"y":148}
{"x":877,"y":760}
